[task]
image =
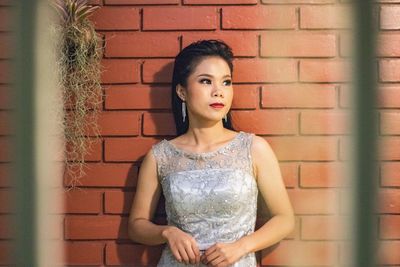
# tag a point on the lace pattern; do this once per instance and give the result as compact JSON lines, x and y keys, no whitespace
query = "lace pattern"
{"x":210,"y":195}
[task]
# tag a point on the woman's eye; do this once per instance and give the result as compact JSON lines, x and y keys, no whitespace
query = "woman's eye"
{"x":201,"y":81}
{"x":229,"y":82}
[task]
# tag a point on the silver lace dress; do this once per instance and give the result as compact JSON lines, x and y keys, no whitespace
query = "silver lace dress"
{"x":211,"y":195}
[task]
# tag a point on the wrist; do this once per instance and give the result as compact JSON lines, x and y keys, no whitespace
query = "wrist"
{"x":244,"y":244}
{"x":166,"y":231}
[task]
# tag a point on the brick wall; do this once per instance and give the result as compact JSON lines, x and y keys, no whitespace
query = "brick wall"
{"x":291,"y":85}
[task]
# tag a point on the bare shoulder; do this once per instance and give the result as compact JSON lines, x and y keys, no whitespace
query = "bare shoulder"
{"x":261,"y":149}
{"x":262,"y":154}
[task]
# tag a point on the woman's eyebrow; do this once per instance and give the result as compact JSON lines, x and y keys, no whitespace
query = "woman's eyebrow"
{"x":209,"y":75}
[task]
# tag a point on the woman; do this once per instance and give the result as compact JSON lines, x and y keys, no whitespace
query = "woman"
{"x":210,"y":174}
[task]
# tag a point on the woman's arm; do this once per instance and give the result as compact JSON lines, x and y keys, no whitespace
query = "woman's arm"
{"x":272,"y":188}
{"x":148,"y":190}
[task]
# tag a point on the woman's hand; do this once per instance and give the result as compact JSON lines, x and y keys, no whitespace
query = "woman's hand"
{"x":183,"y":246}
{"x":223,"y":254}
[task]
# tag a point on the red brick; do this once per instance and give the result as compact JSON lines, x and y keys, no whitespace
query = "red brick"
{"x":388,"y":252}
{"x":322,"y":228}
{"x":297,"y":1}
{"x":389,"y":227}
{"x":389,"y":148}
{"x":346,"y":44}
{"x":346,"y":254}
{"x":96,"y":227}
{"x":265,"y":70}
{"x":390,"y":17}
{"x":304,"y":148}
{"x":325,"y":122}
{"x":289,"y":171}
{"x":346,"y":95}
{"x":117,"y":202}
{"x":259,"y":17}
{"x":84,"y":253}
{"x":390,"y":174}
{"x":301,"y":253}
{"x":7,"y":249}
{"x":389,"y":123}
{"x":314,"y":201}
{"x":141,"y":44}
{"x":6,"y":15}
{"x":298,"y":95}
{"x":267,"y":121}
{"x":7,"y":150}
{"x":219,"y":2}
{"x":245,"y":96}
{"x":116,"y":18}
{"x":324,"y":70}
{"x":120,"y":71}
{"x":389,"y":201}
{"x":346,"y":147}
{"x":387,"y":45}
{"x":107,"y":175}
{"x":138,"y":97}
{"x":158,"y":70}
{"x":6,"y":3}
{"x":127,"y":149}
{"x":140,"y":2}
{"x":5,"y":71}
{"x":6,"y":45}
{"x":389,"y":96}
{"x":8,"y":228}
{"x":179,"y":18}
{"x":83,"y":201}
{"x":7,"y":204}
{"x":322,"y":174}
{"x":297,"y":44}
{"x":158,"y":124}
{"x":5,"y":175}
{"x":242,"y":43}
{"x":6,"y":123}
{"x":131,"y":254}
{"x":325,"y":17}
{"x":6,"y":101}
{"x":119,"y":123}
{"x":389,"y":70}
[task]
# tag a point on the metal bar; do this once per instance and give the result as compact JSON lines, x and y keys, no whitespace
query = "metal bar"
{"x":24,"y":145}
{"x":366,"y":136}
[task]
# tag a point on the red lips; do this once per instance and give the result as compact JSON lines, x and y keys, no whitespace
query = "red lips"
{"x":217,"y":105}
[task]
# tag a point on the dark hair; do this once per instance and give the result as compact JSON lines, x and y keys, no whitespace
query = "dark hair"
{"x":185,"y":63}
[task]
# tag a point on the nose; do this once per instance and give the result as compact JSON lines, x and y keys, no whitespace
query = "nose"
{"x":218,"y":92}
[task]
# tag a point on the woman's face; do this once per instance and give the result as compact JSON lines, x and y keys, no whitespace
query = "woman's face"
{"x":209,"y":83}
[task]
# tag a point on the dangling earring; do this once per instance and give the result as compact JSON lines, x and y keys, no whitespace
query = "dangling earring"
{"x":183,"y":110}
{"x":225,"y":118}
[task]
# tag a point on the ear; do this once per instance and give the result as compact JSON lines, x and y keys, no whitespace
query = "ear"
{"x":180,"y":92}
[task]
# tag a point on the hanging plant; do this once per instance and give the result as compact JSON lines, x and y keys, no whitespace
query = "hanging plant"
{"x":79,"y":54}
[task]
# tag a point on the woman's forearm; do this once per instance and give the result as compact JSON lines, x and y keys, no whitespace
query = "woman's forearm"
{"x":146,"y":232}
{"x":274,"y":230}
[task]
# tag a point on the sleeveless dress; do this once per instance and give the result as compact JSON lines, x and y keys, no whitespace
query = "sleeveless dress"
{"x":211,"y":195}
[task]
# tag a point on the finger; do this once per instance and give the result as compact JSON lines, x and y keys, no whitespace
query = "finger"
{"x":216,"y":261}
{"x":184,"y":256}
{"x":190,"y":253}
{"x":211,"y":257}
{"x":196,"y":252}
{"x":176,"y":254}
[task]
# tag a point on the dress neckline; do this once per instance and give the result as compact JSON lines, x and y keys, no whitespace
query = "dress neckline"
{"x":204,"y":154}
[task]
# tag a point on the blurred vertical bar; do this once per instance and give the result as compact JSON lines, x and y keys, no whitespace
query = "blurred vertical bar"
{"x":366,"y":136}
{"x":39,"y":139}
{"x":25,"y":186}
